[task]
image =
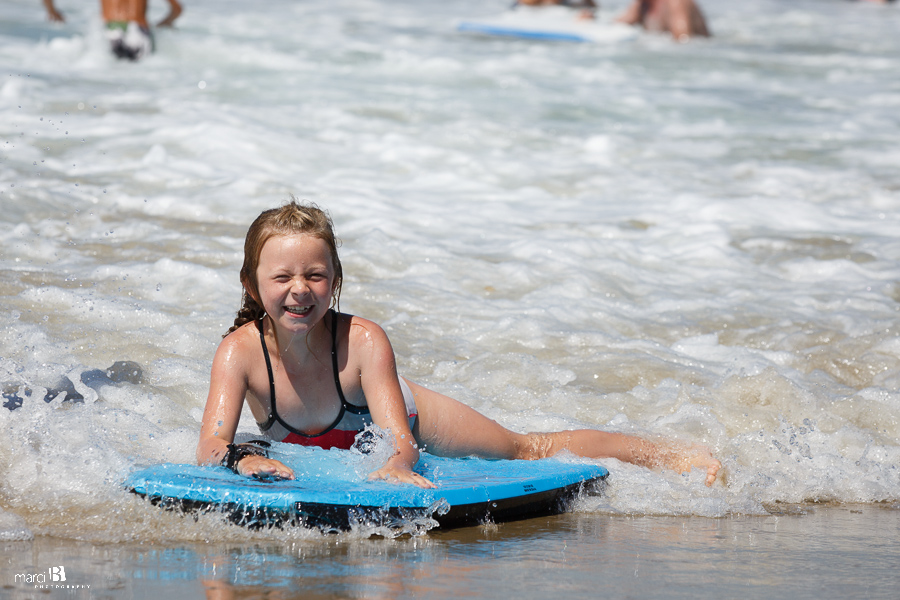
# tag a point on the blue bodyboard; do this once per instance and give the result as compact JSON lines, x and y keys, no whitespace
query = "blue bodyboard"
{"x":332,"y":492}
{"x":555,"y":23}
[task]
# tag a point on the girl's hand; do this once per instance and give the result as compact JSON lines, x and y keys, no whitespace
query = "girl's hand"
{"x":402,"y":475}
{"x":263,"y":467}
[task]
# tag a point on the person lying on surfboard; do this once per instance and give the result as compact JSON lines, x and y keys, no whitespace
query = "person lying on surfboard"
{"x":314,"y":376}
{"x":681,"y":18}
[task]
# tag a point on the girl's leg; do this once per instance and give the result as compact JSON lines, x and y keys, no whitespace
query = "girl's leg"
{"x":600,"y":444}
{"x":447,"y":427}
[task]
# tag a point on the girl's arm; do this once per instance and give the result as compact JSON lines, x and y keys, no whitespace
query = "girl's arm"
{"x":227,"y":389}
{"x":381,"y":387}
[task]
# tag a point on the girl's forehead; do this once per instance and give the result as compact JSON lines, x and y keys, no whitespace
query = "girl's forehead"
{"x":295,"y":247}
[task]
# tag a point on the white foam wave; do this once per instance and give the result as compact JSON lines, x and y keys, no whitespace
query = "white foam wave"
{"x":692,"y":241}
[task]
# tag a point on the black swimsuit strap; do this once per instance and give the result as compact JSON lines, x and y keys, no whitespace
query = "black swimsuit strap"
{"x":356,"y":410}
{"x":273,"y":411}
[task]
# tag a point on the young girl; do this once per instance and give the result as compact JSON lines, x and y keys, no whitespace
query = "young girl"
{"x":315,"y":376}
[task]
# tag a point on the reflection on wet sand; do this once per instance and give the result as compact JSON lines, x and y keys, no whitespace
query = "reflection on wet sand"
{"x":804,"y":551}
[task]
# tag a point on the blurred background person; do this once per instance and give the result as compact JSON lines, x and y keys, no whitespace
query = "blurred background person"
{"x":681,"y":18}
{"x":126,"y":25}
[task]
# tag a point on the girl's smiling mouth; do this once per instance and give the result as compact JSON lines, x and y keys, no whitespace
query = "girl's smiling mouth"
{"x":300,"y":311}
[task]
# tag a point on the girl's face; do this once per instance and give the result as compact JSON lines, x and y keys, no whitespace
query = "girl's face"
{"x":295,"y":278}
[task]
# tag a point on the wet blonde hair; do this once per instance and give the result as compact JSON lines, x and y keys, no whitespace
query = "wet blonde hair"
{"x":293,"y":218}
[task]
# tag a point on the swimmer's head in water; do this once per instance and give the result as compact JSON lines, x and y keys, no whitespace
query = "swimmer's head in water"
{"x":291,"y":219}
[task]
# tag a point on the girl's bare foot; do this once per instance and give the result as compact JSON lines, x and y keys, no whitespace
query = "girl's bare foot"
{"x":700,"y":456}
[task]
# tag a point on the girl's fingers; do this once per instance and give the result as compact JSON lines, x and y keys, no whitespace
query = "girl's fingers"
{"x":255,"y":465}
{"x":402,"y":477}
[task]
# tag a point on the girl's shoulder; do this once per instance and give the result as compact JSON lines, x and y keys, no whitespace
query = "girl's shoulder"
{"x":240,"y":342}
{"x":249,"y":330}
{"x":360,"y":331}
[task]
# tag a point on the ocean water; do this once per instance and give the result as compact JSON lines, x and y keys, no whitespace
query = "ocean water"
{"x":694,"y":242}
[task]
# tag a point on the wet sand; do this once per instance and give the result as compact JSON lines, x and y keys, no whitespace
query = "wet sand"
{"x":802,"y":552}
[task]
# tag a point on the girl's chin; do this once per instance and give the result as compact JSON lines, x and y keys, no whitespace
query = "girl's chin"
{"x":293,"y":327}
